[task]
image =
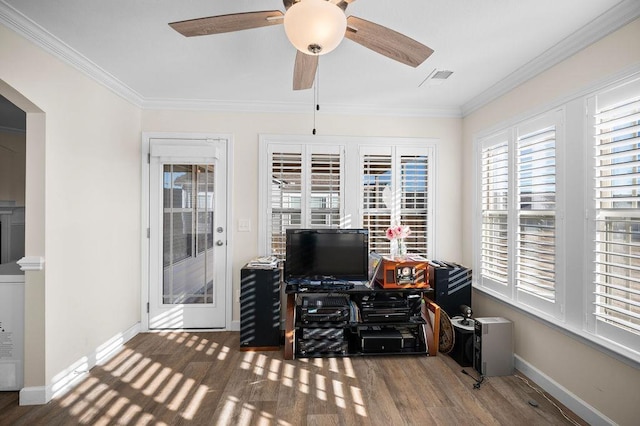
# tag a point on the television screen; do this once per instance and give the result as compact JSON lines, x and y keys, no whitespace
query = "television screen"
{"x":316,"y":254}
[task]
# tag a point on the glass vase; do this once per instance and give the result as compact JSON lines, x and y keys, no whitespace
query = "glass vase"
{"x":402,"y":249}
{"x":398,"y":249}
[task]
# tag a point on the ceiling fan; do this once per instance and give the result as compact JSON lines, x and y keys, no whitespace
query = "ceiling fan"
{"x":314,"y":27}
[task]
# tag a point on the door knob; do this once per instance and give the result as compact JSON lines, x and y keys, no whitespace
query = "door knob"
{"x":219,"y":243}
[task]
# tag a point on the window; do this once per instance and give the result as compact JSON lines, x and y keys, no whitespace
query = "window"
{"x":306,"y":188}
{"x":557,"y":227}
{"x":188,"y":211}
{"x":517,"y":215}
{"x":616,"y":228}
{"x":346,"y":183}
{"x":494,"y":182}
{"x":395,"y":182}
{"x":535,"y":179}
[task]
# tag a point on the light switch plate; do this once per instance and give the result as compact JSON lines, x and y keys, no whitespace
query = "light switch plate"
{"x":244,"y":225}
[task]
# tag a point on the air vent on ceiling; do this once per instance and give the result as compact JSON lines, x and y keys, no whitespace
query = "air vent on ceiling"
{"x":436,"y":77}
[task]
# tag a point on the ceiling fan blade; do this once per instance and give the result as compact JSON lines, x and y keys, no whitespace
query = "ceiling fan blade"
{"x":304,"y":71}
{"x":387,"y":42}
{"x":342,"y":4}
{"x":227,"y":23}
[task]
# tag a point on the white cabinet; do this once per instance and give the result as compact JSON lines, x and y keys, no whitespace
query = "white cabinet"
{"x":11,"y":327}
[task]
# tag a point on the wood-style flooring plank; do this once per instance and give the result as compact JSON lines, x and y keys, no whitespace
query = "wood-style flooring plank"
{"x":202,"y":378}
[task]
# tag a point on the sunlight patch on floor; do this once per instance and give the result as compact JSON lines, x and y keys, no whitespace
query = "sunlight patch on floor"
{"x":194,"y":404}
{"x":338,"y":392}
{"x":146,"y":375}
{"x":303,"y":379}
{"x":166,"y":391}
{"x":358,"y":401}
{"x":321,"y":387}
{"x":97,"y":403}
{"x":288,"y":374}
{"x":181,"y":394}
{"x":274,"y":370}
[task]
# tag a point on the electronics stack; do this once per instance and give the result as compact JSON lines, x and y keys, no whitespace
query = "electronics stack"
{"x":377,"y":310}
{"x":323,"y":318}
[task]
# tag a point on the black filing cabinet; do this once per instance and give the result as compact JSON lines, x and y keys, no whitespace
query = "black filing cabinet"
{"x":260,"y":309}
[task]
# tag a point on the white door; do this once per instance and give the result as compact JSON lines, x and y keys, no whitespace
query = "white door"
{"x":187,"y":233}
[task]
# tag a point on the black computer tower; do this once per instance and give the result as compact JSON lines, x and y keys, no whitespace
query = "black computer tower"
{"x":451,"y":285}
{"x":260,"y":309}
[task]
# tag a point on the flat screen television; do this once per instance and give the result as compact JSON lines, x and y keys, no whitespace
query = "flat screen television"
{"x":327,"y":254}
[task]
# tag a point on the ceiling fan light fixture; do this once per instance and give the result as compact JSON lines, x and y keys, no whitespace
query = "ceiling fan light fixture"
{"x":315,"y":27}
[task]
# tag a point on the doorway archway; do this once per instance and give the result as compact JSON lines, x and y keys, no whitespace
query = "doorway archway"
{"x":34,"y":390}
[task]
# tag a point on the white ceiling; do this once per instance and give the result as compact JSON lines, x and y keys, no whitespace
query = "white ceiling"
{"x":488,"y":44}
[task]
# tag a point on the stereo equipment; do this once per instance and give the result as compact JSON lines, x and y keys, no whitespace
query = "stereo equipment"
{"x":385,"y":315}
{"x":451,"y":285}
{"x":388,"y":339}
{"x":319,"y":301}
{"x":493,"y":346}
{"x":322,"y":347}
{"x":411,"y":272}
{"x":323,"y":333}
{"x":385,"y":340}
{"x":324,"y":315}
{"x":389,"y":307}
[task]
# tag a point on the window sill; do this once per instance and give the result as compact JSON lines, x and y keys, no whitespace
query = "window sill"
{"x":622,"y":354}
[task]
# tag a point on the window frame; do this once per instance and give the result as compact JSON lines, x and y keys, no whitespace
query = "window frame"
{"x":576,"y":179}
{"x":510,"y":291}
{"x":352,"y":206}
{"x":602,"y":329}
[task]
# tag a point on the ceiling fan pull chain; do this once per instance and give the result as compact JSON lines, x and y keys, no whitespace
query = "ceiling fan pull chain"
{"x":316,"y":96}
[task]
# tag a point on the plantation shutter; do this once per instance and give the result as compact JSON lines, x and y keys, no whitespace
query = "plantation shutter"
{"x":536,"y":205}
{"x":377,"y":198}
{"x":325,"y":190}
{"x":395,"y":182}
{"x":286,"y":197}
{"x":306,"y":190}
{"x":617,"y":203}
{"x":414,"y":200}
{"x":494,"y":261}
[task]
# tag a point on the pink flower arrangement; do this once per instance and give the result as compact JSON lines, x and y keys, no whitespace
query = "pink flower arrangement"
{"x":398,"y":232}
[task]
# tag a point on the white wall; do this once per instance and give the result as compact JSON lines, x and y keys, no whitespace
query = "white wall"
{"x":602,"y":382}
{"x":246,"y":128}
{"x":89,"y":289}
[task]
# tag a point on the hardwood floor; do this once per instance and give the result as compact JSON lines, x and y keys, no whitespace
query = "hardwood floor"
{"x":201,"y":378}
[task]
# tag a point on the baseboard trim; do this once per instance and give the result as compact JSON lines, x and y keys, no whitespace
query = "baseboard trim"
{"x":562,"y":394}
{"x":235,"y":326}
{"x":64,"y":381}
{"x":34,"y":395}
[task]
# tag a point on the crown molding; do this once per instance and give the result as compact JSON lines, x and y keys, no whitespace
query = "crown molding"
{"x":296,"y":108}
{"x":25,"y":27}
{"x":610,"y":21}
